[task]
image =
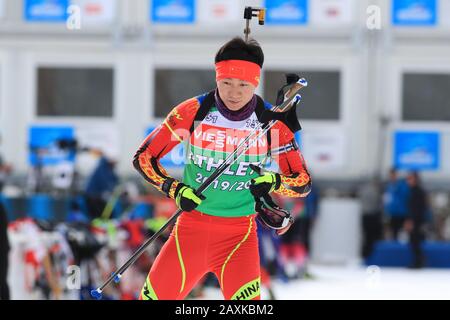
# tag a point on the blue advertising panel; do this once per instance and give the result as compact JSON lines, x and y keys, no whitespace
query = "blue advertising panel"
{"x":50,"y":145}
{"x":175,"y":158}
{"x":416,"y":150}
{"x":46,"y":10}
{"x":173,"y":11}
{"x":414,"y":12}
{"x":292,"y":12}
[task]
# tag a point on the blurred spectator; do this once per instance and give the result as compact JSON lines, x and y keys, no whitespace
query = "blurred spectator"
{"x":415,"y":222}
{"x":295,"y":243}
{"x":293,"y":252}
{"x":4,"y":250}
{"x":100,"y":186}
{"x":4,"y":243}
{"x":395,"y":200}
{"x":441,"y":209}
{"x":76,"y":213}
{"x":311,"y":213}
{"x":370,"y":196}
{"x":5,"y":169}
{"x":269,"y":245}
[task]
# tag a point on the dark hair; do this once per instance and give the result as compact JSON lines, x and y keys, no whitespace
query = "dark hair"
{"x":238,"y":49}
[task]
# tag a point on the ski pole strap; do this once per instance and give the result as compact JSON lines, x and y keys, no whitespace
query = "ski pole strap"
{"x":292,"y":145}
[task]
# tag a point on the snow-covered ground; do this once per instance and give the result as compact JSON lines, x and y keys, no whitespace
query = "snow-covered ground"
{"x":360,"y":283}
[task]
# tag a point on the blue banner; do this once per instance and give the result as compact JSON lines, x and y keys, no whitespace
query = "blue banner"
{"x":50,"y":145}
{"x":414,"y":12}
{"x":293,"y":12}
{"x":173,"y":11}
{"x":417,"y":150}
{"x":46,"y":10}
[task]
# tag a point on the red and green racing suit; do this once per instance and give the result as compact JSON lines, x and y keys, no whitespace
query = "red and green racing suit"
{"x":220,"y":235}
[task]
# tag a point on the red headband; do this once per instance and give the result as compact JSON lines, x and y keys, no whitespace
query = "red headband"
{"x":240,"y":69}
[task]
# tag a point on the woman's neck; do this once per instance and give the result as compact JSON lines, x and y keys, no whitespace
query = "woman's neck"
{"x":237,"y":115}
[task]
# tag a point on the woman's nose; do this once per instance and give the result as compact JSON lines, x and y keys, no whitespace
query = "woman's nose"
{"x":235,"y":90}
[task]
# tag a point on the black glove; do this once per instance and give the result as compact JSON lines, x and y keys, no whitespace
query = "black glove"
{"x":264,"y":184}
{"x":186,"y":199}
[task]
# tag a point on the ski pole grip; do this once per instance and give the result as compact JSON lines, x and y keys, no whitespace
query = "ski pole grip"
{"x":292,"y":96}
{"x":295,"y":87}
{"x":293,"y":90}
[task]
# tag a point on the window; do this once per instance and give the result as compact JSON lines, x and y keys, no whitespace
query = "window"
{"x":320,"y":100}
{"x":174,"y":86}
{"x":426,"y":97}
{"x":84,"y":92}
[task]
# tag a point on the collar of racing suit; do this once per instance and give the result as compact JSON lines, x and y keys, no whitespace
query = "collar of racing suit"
{"x":238,"y":115}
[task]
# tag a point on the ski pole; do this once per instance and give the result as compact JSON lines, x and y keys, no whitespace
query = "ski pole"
{"x":240,"y":149}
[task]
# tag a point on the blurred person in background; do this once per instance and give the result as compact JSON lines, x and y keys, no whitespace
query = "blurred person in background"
{"x":5,"y":169}
{"x":440,"y":201}
{"x":271,"y":264}
{"x":101,"y":185}
{"x":395,"y":200}
{"x":292,"y":249}
{"x":416,"y":219}
{"x":4,"y":251}
{"x":296,"y":241}
{"x":372,"y":226}
{"x":311,"y":213}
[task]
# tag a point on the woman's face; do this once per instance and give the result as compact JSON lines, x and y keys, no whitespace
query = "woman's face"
{"x":235,"y":93}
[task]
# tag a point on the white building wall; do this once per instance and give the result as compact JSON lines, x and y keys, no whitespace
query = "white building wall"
{"x":370,"y":63}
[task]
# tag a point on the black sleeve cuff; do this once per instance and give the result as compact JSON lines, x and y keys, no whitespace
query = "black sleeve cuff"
{"x":166,"y":185}
{"x":277,"y":181}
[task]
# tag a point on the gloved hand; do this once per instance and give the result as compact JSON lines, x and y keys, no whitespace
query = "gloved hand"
{"x":264,"y":184}
{"x":186,"y":199}
{"x":272,"y":216}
